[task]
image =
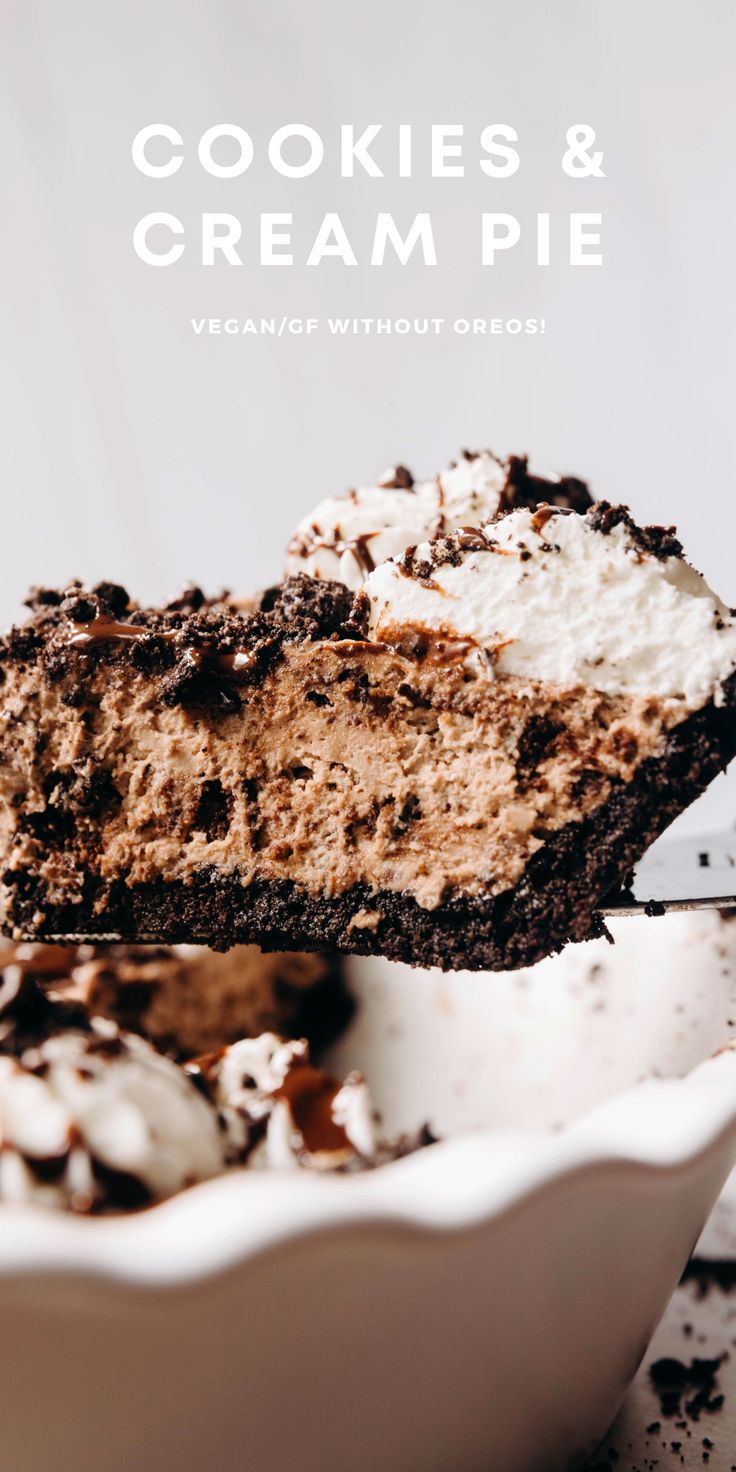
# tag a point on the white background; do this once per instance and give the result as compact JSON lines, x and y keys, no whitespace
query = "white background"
{"x":133,"y":450}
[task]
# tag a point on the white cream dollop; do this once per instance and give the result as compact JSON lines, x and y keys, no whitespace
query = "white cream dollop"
{"x":559,"y":599}
{"x":81,"y":1100}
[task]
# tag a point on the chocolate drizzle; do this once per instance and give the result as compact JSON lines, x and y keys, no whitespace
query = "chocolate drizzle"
{"x":306,"y":544}
{"x":106,"y":630}
{"x":310,"y":1095}
{"x":540,"y":517}
{"x":101,"y":629}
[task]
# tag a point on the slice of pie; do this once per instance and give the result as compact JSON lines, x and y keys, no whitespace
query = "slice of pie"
{"x":450,"y":767}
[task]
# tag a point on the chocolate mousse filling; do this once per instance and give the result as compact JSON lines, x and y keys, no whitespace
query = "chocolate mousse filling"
{"x":295,"y":778}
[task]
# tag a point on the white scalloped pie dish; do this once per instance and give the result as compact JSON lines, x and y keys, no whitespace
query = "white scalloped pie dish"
{"x":483,"y":1304}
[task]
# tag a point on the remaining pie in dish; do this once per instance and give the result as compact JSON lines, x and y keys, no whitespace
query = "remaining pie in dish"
{"x":189,"y":999}
{"x":93,"y":1118}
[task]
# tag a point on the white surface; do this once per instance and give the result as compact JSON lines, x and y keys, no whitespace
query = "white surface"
{"x":692,"y":1326}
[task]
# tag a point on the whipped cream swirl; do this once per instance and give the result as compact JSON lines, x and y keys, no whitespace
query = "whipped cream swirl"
{"x":346,"y":537}
{"x":97,"y":1118}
